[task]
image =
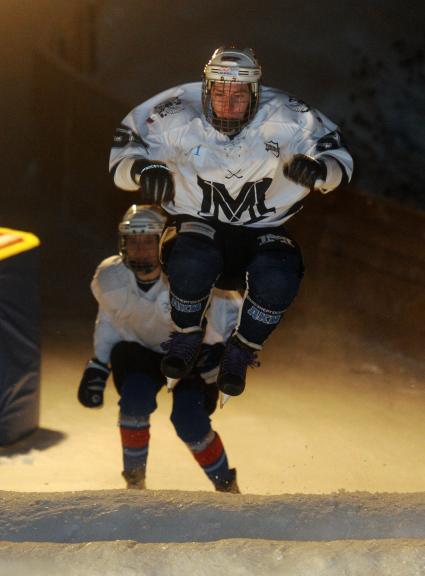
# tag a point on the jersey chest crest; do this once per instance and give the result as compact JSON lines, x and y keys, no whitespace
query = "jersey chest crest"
{"x":235,"y":163}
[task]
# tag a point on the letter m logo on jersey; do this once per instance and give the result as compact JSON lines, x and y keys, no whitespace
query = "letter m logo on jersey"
{"x":250,"y":199}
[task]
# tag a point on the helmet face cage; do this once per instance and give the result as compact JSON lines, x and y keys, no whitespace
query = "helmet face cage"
{"x":229,"y":67}
{"x":139,"y":221}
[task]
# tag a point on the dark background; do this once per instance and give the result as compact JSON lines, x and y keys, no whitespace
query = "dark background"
{"x":70,"y":70}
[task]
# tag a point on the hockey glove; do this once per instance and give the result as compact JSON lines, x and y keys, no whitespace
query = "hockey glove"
{"x":305,"y":170}
{"x":92,"y":385}
{"x":155,"y":181}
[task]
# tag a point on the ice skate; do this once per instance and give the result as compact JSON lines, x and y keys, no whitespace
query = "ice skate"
{"x":236,"y":359}
{"x":230,"y":485}
{"x":182,"y":350}
{"x":171,"y":384}
{"x":223,"y":399}
{"x":135,"y":478}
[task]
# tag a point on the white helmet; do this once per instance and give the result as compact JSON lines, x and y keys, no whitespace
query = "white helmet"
{"x":139,"y":220}
{"x":142,"y":220}
{"x":231,"y":65}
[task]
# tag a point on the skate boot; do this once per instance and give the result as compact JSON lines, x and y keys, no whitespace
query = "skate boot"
{"x":236,"y":359}
{"x":229,"y":485}
{"x":182,"y":350}
{"x":135,"y":478}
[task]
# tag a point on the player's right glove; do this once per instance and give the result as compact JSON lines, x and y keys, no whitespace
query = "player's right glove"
{"x":305,"y":170}
{"x":155,"y":181}
{"x":92,"y":385}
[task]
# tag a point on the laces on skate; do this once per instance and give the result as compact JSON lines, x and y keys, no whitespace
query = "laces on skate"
{"x":182,"y":351}
{"x":237,"y":358}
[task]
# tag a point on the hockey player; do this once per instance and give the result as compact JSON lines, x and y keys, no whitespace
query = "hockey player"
{"x":133,"y":320}
{"x":231,"y":162}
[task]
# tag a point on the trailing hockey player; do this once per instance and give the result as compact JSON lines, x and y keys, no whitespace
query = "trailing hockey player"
{"x":231,"y":162}
{"x":133,"y":320}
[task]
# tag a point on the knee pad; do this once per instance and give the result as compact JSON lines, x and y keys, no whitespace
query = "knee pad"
{"x":193,"y":264}
{"x":273,"y":278}
{"x":138,"y":395}
{"x":189,"y":415}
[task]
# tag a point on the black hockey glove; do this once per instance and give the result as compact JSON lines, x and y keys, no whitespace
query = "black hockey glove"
{"x":92,"y":385}
{"x":155,"y":181}
{"x":305,"y":170}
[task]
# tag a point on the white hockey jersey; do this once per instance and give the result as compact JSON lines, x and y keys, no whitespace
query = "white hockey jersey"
{"x":128,"y":313}
{"x":236,"y":180}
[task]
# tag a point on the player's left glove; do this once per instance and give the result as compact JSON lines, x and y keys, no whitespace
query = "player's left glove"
{"x":305,"y":171}
{"x":155,"y":181}
{"x":92,"y":385}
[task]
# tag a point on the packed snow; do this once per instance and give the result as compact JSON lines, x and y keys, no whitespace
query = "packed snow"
{"x":127,"y":532}
{"x":236,"y":557}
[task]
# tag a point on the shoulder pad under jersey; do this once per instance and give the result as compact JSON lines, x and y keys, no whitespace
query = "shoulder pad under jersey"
{"x":309,"y":118}
{"x":178,"y":108}
{"x":111,"y":275}
{"x":279,"y":106}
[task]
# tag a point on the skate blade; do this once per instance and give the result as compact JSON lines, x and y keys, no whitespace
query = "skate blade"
{"x":223,"y":399}
{"x":171,"y":383}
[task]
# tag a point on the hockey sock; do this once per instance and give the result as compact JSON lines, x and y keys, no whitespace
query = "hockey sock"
{"x":188,"y":313}
{"x":257,"y":323}
{"x":135,"y":441}
{"x":211,"y":456}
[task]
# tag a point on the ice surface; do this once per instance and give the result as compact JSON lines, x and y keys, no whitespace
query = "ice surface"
{"x":327,"y":440}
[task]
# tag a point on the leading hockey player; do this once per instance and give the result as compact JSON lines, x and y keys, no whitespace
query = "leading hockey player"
{"x":133,"y":320}
{"x":231,"y":162}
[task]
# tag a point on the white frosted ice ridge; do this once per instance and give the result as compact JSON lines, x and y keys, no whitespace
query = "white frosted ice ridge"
{"x":171,"y":516}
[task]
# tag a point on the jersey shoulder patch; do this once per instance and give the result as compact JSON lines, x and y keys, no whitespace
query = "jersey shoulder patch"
{"x":297,"y":105}
{"x":169,"y":107}
{"x":169,"y":114}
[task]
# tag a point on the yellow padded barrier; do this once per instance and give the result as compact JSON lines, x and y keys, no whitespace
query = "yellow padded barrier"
{"x":14,"y":242}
